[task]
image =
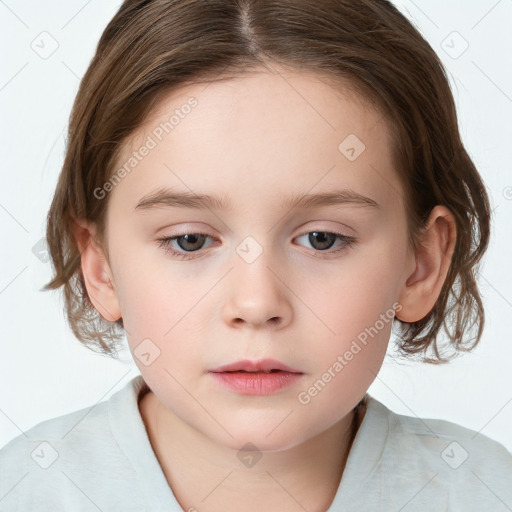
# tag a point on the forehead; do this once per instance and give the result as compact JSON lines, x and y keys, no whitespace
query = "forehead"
{"x":262,"y":135}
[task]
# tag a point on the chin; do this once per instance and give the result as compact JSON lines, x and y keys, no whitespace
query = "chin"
{"x":262,"y":436}
{"x":262,"y":444}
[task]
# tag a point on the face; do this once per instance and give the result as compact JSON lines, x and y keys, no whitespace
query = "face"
{"x":313,"y":285}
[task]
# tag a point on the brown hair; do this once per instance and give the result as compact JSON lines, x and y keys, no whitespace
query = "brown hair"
{"x":151,"y":47}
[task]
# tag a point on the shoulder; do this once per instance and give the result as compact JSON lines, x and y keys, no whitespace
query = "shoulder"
{"x":67,"y":461}
{"x":464,"y":467}
{"x":453,"y":443}
{"x":50,"y":450}
{"x":55,"y":432}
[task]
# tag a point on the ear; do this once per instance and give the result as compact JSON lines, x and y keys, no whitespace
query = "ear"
{"x":96,"y":271}
{"x":433,"y":257}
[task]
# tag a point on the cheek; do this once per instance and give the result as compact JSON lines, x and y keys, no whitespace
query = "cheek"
{"x":153,"y":295}
{"x":357,"y":293}
{"x":160,"y":314}
{"x":356,"y":310}
{"x":347,"y":364}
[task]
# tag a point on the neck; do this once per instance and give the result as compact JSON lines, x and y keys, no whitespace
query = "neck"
{"x":204,"y":475}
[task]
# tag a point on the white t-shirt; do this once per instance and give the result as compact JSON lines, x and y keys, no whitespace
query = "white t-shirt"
{"x":100,"y":458}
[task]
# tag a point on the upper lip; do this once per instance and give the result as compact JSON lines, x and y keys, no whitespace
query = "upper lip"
{"x":255,"y":366}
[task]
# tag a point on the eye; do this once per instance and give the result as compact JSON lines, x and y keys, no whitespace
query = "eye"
{"x":324,"y":240}
{"x":190,"y":243}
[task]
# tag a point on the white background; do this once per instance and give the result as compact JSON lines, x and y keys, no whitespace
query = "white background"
{"x":45,"y":372}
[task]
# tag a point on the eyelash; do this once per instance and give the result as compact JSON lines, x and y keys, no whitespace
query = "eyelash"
{"x":164,"y":243}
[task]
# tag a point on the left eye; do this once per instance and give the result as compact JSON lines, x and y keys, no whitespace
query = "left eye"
{"x":193,"y":242}
{"x":322,"y":240}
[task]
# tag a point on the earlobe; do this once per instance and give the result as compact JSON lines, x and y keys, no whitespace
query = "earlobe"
{"x":433,"y":257}
{"x":96,"y":272}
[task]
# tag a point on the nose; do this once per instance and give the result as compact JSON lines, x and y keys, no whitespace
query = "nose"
{"x":256,"y":295}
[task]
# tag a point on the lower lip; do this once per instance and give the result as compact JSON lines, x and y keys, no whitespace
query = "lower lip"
{"x":259,"y":383}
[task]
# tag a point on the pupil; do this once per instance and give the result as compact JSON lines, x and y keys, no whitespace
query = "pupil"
{"x":190,"y":240}
{"x":321,"y":239}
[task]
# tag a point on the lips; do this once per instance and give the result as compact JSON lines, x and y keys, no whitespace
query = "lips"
{"x":261,"y":366}
{"x":264,"y":377}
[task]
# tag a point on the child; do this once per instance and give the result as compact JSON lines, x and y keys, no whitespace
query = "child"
{"x":255,"y":192}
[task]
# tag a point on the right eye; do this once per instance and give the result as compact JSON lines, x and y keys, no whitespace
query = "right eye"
{"x":188,"y":242}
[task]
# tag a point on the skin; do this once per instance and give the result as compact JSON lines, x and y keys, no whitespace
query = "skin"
{"x":257,"y":140}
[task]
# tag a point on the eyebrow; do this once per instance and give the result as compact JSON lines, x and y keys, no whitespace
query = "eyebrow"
{"x":166,"y":197}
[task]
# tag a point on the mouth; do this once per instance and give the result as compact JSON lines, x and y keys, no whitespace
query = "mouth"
{"x":261,"y":366}
{"x":263,"y":377}
{"x":257,"y":371}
